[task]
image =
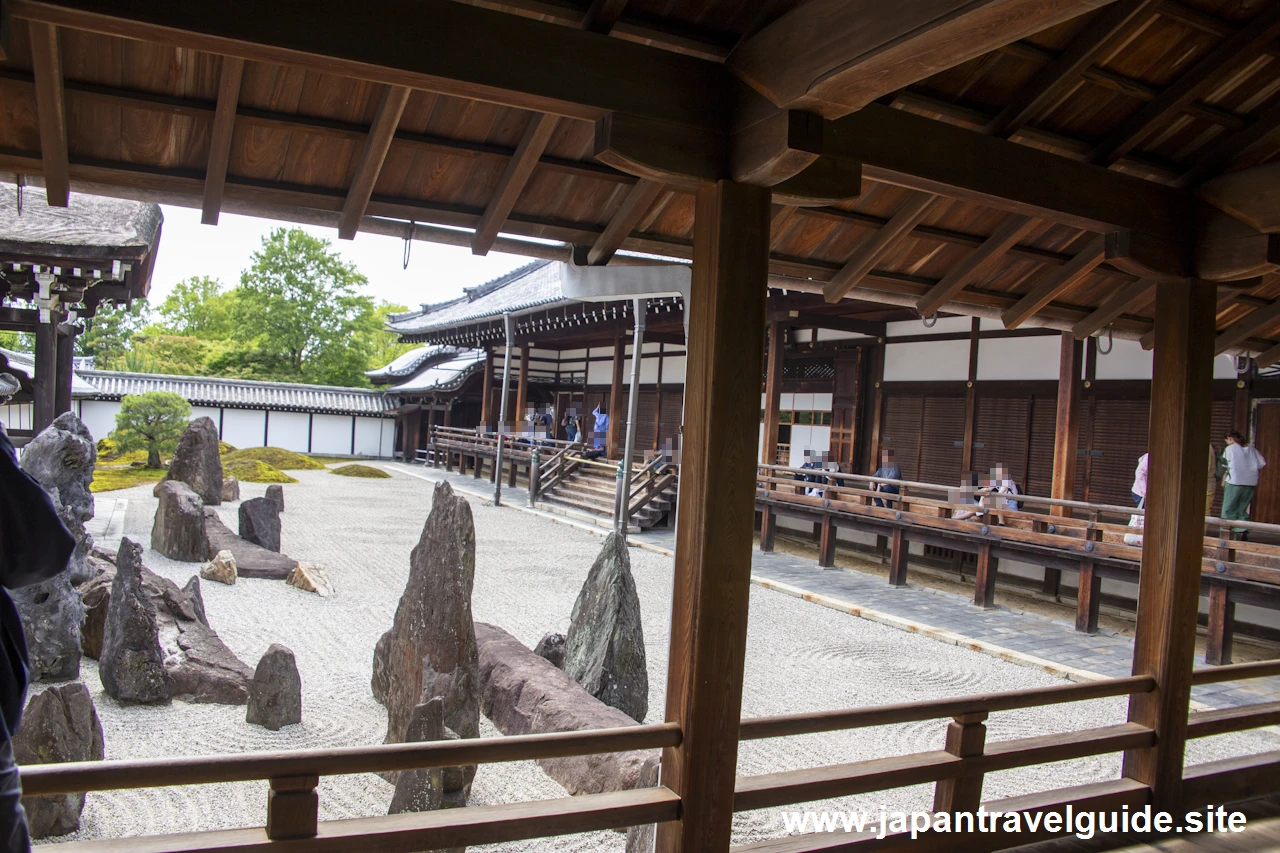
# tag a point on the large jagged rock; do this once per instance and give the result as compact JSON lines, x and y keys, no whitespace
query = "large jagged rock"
{"x":178,"y":531}
{"x":131,"y":665}
{"x":430,"y":649}
{"x":58,"y":725}
{"x":196,"y":461}
{"x":200,"y":665}
{"x":252,"y":561}
{"x":604,"y":647}
{"x":275,"y":492}
{"x":522,"y":694}
{"x":260,"y":523}
{"x":275,"y":694}
{"x":310,"y":578}
{"x":424,"y":790}
{"x":61,"y":459}
{"x":230,"y":489}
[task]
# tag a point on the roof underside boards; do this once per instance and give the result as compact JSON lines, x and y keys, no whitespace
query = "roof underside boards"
{"x":140,"y":112}
{"x":240,"y":393}
{"x":444,"y":377}
{"x":410,"y":363}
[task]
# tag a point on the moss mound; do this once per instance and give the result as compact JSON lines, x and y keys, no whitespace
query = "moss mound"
{"x":224,"y":448}
{"x":254,"y":471}
{"x":110,"y":479}
{"x":362,"y":471}
{"x":275,"y":457}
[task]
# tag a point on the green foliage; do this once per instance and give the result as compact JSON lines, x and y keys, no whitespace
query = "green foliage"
{"x":198,"y":307}
{"x":254,"y":471}
{"x":383,"y":347}
{"x":18,"y":341}
{"x":365,"y":471}
{"x":107,"y":334}
{"x":276,"y":457}
{"x":151,"y":422}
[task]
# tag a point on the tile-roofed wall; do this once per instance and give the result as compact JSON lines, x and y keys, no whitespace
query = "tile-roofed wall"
{"x":241,"y":393}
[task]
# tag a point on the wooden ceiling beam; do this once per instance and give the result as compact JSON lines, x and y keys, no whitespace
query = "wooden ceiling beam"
{"x":1056,"y":282}
{"x":602,"y":15}
{"x":832,"y":57}
{"x":1256,"y":322}
{"x":514,"y":179}
{"x":638,"y":200}
{"x":1123,"y":299}
{"x":1226,"y":298}
{"x":1228,"y":147}
{"x":1251,"y":195}
{"x":1061,"y":75}
{"x":377,"y":143}
{"x":978,"y":263}
{"x":224,"y":121}
{"x":46,"y":61}
{"x":909,"y":214}
{"x":6,"y":30}
{"x":1268,"y":358}
{"x":1233,"y":51}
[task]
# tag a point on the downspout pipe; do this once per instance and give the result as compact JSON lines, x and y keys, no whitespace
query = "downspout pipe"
{"x":508,"y":327}
{"x":620,"y":515}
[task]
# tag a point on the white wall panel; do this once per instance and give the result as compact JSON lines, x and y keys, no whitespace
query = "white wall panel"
{"x":944,"y":326}
{"x":243,"y":427}
{"x":786,"y":402}
{"x":820,"y":438}
{"x":372,"y":435}
{"x":99,"y":417}
{"x":837,"y":335}
{"x":600,"y":373}
{"x":648,"y":370}
{"x":822,"y":402}
{"x":289,"y":430}
{"x":928,"y":360}
{"x":1018,"y":358}
{"x":802,"y":402}
{"x":210,"y":412}
{"x":331,"y":434}
{"x":673,"y":369}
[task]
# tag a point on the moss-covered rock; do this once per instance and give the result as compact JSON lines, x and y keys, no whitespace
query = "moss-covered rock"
{"x":254,"y":471}
{"x":362,"y":471}
{"x":276,"y":457}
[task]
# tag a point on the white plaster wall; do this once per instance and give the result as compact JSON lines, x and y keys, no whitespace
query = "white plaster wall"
{"x":673,"y":369}
{"x":570,"y":354}
{"x":927,"y":360}
{"x":374,"y":436}
{"x":243,"y":427}
{"x":600,"y":373}
{"x":20,"y":416}
{"x":802,"y":402}
{"x":289,"y":430}
{"x":837,"y":335}
{"x":1126,"y":360}
{"x":945,"y":325}
{"x":99,"y":417}
{"x":331,"y":434}
{"x":210,"y":412}
{"x":822,"y":402}
{"x":1018,"y":358}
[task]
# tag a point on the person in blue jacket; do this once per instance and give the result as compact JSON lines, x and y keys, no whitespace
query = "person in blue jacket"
{"x":601,"y":426}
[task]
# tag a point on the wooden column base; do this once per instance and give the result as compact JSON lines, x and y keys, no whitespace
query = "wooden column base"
{"x":1052,"y":582}
{"x":966,"y":738}
{"x":827,"y":544}
{"x":768,"y":529}
{"x":898,"y":546}
{"x":1222,"y":617}
{"x":984,"y":588}
{"x":1088,"y":598}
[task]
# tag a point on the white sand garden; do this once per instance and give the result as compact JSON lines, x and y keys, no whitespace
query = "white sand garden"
{"x":800,"y":657}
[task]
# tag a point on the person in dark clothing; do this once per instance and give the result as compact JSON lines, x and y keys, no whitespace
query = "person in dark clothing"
{"x":34,"y":547}
{"x":889,"y":470}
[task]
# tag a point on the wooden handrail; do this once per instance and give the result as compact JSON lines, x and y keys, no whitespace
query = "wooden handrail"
{"x":1235,"y":672}
{"x":786,"y":725}
{"x":76,"y":777}
{"x":1221,"y":721}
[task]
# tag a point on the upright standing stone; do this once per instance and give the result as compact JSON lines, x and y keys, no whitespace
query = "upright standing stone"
{"x":196,"y":597}
{"x":58,"y":725}
{"x":230,"y":489}
{"x":275,"y":694}
{"x":604,"y":649}
{"x":61,"y":459}
{"x":196,"y":461}
{"x":131,"y":665}
{"x":260,"y":523}
{"x":275,"y":492}
{"x":178,"y":531}
{"x":431,"y":647}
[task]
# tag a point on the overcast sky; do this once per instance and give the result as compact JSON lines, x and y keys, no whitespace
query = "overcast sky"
{"x":435,"y":272}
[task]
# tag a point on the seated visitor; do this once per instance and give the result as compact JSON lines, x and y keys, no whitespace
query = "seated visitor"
{"x":889,"y":470}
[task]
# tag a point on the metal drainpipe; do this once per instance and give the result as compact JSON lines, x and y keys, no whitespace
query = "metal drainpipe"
{"x":502,"y":411}
{"x":633,"y":403}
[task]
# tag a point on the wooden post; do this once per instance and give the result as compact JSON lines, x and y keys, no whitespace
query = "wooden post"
{"x":486,"y":393}
{"x":768,"y":528}
{"x":522,"y":386}
{"x":714,"y":528}
{"x":984,"y":583}
{"x":772,"y":394}
{"x":1066,"y":433}
{"x":898,"y":546}
{"x":1173,"y":536}
{"x":966,"y":738}
{"x":657,"y":404}
{"x":292,"y":807}
{"x":613,"y":438}
{"x":1222,"y":618}
{"x":827,"y":543}
{"x":870,"y":427}
{"x":45,"y":383}
{"x":970,"y":399}
{"x":1088,"y":598}
{"x":62,"y":373}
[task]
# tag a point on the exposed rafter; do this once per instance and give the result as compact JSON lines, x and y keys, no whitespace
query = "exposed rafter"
{"x":1268,"y":358}
{"x":1213,"y":66}
{"x":1227,"y":147}
{"x":908,"y":215}
{"x":376,"y":145}
{"x":638,"y":200}
{"x":978,"y":263}
{"x":1060,"y":76}
{"x":602,"y":15}
{"x":1250,"y":195}
{"x":46,"y":61}
{"x":518,"y":172}
{"x":1056,"y":282}
{"x":224,"y":121}
{"x":1124,"y":299}
{"x":1256,"y":322}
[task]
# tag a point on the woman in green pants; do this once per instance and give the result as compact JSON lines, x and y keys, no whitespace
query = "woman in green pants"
{"x":1242,"y":463}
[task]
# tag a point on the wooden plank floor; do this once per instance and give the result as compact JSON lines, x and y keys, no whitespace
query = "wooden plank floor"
{"x":1261,"y":835}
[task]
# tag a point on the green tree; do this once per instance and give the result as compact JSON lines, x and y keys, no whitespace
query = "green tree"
{"x":152,"y":421}
{"x":198,"y":307}
{"x":17,"y":341}
{"x":300,"y":304}
{"x":154,"y":350}
{"x":383,"y":346}
{"x":108,"y":333}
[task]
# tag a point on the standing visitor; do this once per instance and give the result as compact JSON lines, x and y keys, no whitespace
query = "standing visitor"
{"x":570,"y":424}
{"x":34,"y":547}
{"x":889,"y":470}
{"x":1140,"y":481}
{"x":601,"y":428}
{"x":1242,"y":462}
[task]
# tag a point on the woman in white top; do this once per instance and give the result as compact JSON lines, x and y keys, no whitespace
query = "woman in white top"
{"x":1243,"y":462}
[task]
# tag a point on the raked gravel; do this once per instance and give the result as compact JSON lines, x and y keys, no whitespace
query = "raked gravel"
{"x":800,"y":657}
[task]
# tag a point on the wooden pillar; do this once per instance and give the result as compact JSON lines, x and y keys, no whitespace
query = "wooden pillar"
{"x":970,"y":399}
{"x":714,"y":528}
{"x":898,"y":547}
{"x":984,"y":583}
{"x":768,"y":528}
{"x":871,"y":429}
{"x":1088,"y":598}
{"x":613,"y":438}
{"x":772,"y":393}
{"x":1066,"y":433}
{"x":1173,"y":536}
{"x":45,"y":383}
{"x":1239,"y":411}
{"x":62,"y":373}
{"x":486,"y":391}
{"x":657,"y":405}
{"x":522,"y":386}
{"x":1222,"y":618}
{"x":827,"y":543}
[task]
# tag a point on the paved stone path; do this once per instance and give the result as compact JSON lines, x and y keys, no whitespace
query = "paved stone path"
{"x":1026,"y":638}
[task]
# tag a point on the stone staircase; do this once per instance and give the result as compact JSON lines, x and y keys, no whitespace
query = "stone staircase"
{"x":589,"y":493}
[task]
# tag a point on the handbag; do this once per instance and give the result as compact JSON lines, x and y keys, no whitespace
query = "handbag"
{"x":1136,"y":522}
